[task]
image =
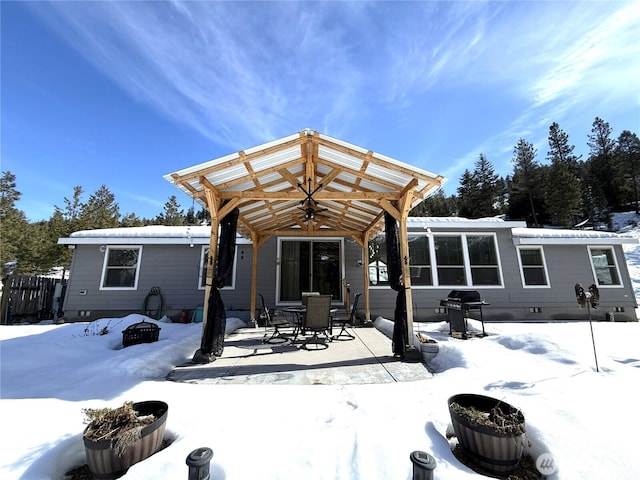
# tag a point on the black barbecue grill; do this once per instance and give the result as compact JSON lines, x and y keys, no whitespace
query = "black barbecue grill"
{"x":459,"y":305}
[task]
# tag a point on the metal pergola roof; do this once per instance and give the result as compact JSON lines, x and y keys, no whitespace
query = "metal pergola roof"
{"x":354,"y":186}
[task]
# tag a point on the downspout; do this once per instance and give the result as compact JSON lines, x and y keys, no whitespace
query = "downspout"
{"x":254,"y":275}
{"x":365,"y":275}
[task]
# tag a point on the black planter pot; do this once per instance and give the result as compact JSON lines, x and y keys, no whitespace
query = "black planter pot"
{"x":496,"y":452}
{"x":102,"y":459}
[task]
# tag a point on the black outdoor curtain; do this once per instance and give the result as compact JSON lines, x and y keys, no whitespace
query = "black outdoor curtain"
{"x":394,"y":269}
{"x":213,"y":335}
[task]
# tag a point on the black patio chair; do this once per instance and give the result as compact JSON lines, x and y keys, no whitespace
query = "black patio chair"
{"x":350,"y":319}
{"x":305,"y":295}
{"x":303,"y":299}
{"x":270,"y":321}
{"x":317,"y":319}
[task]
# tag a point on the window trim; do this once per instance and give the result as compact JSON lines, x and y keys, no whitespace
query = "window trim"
{"x":611,"y":248}
{"x":105,"y":261}
{"x":202,"y":281}
{"x":465,"y":257}
{"x":519,"y":248}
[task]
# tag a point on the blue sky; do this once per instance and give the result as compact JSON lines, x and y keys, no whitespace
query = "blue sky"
{"x":121,"y":93}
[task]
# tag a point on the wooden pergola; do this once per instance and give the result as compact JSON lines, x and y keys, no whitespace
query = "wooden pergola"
{"x":271,"y":185}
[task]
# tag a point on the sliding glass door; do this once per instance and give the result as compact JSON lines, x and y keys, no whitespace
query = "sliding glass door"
{"x":310,"y":266}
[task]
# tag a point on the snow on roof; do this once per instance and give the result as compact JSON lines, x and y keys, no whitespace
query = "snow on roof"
{"x":199,"y":235}
{"x":528,"y":236}
{"x":156,"y":234}
{"x":148,"y":231}
{"x":461,"y":222}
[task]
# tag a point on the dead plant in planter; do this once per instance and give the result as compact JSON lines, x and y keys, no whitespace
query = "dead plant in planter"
{"x":504,"y":424}
{"x":122,"y":425}
{"x":491,"y":430}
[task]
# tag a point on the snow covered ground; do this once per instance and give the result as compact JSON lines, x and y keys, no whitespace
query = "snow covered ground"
{"x":49,"y":373}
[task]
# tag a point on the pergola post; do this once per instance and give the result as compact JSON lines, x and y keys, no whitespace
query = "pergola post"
{"x":254,"y":275}
{"x":217,"y":212}
{"x":363,"y":241}
{"x":404,"y":206}
{"x":406,"y":276}
{"x":401,"y":212}
{"x":365,"y":272}
{"x":213,"y":204}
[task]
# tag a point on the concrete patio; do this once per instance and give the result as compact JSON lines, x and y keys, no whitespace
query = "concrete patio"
{"x":368,"y":358}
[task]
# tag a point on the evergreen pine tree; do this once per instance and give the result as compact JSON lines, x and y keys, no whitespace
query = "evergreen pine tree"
{"x":490,"y":186}
{"x":561,"y":151}
{"x":628,"y":164}
{"x":36,"y":252}
{"x":604,"y":186}
{"x":203,"y":217}
{"x":101,"y":210}
{"x":13,"y":224}
{"x":62,"y":223}
{"x":562,"y":197}
{"x":73,"y":208}
{"x":172,"y":215}
{"x":131,"y":220}
{"x":435,"y":205}
{"x":481,"y":192}
{"x":467,"y":195}
{"x":60,"y":226}
{"x":190,"y":217}
{"x":526,"y":199}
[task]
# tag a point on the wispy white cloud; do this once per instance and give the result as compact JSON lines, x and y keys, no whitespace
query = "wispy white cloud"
{"x":153,"y":202}
{"x":572,"y":62}
{"x":242,"y":73}
{"x":235,"y":72}
{"x":429,"y":45}
{"x":595,"y":60}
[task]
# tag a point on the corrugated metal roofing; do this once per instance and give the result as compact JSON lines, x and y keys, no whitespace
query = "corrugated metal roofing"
{"x":266,"y":182}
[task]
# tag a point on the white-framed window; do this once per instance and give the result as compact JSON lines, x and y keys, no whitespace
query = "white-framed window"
{"x":533,"y":267}
{"x":442,"y":260}
{"x":605,"y":266}
{"x":377,"y":264}
{"x":483,"y":260}
{"x":121,"y":267}
{"x":202,"y":277}
{"x":419,"y":262}
{"x":450,"y":260}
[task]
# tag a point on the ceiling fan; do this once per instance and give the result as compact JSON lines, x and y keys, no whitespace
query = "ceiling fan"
{"x":310,"y":205}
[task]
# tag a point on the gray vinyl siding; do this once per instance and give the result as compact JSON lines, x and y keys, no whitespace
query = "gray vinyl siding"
{"x":566,"y":265}
{"x":266,"y":274}
{"x":175,"y":269}
{"x":354,"y":274}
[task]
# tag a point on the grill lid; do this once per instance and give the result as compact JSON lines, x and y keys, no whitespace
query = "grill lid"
{"x":464,"y":296}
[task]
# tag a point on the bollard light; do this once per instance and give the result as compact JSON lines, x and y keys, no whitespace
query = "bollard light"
{"x":199,"y":463}
{"x":423,"y":465}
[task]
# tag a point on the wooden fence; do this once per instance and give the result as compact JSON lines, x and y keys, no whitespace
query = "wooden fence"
{"x":30,"y":298}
